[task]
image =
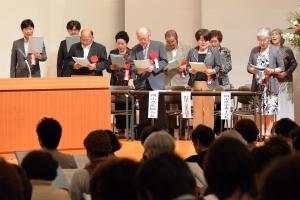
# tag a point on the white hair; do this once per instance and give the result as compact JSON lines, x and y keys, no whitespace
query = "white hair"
{"x":158,"y":142}
{"x":144,"y":30}
{"x":264,"y":31}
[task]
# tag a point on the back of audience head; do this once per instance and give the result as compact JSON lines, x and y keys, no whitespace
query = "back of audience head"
{"x":97,"y":144}
{"x":148,"y":131}
{"x":40,"y":165}
{"x":229,"y":169}
{"x":283,"y":127}
{"x":115,"y":143}
{"x":49,"y":133}
{"x":114,"y":180}
{"x":262,"y":157}
{"x":202,"y":137}
{"x":281,"y":180}
{"x":164,"y":177}
{"x":278,"y":146}
{"x":248,"y":129}
{"x":157,"y":143}
{"x":14,"y":183}
{"x":234,"y":134}
{"x":295,"y":134}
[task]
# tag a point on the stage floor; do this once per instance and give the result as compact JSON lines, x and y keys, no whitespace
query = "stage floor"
{"x":130,"y":149}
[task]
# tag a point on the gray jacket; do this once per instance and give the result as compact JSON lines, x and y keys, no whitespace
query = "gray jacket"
{"x":173,"y":75}
{"x":156,"y":79}
{"x":225,"y":67}
{"x":18,"y":67}
{"x":276,"y":61}
{"x":213,"y":58}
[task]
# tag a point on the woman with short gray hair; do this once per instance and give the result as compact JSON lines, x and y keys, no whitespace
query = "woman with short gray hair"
{"x":265,"y":62}
{"x":286,"y":100}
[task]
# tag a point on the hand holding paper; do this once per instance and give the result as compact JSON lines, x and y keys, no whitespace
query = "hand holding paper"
{"x":118,"y":60}
{"x":143,"y":65}
{"x":36,"y":44}
{"x":84,"y":62}
{"x":198,"y":66}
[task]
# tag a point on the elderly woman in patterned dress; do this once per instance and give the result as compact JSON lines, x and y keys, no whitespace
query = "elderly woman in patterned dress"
{"x":265,"y":63}
{"x":285,"y":78}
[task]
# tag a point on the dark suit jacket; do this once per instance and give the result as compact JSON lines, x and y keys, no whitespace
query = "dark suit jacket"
{"x":117,"y":76}
{"x":18,"y":67}
{"x":96,"y":50}
{"x":156,"y":79}
{"x":61,"y":59}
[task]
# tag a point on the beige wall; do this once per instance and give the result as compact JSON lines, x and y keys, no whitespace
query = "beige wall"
{"x":161,"y":15}
{"x":50,"y":18}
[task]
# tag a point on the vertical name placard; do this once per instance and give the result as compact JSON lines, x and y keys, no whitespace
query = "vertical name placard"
{"x":186,"y":104}
{"x":153,"y":104}
{"x":226,"y":105}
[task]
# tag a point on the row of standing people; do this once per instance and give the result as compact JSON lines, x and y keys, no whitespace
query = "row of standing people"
{"x":277,"y":77}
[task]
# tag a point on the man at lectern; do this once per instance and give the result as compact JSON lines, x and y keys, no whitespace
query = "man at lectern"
{"x":90,"y":56}
{"x":150,"y":77}
{"x":23,"y":62}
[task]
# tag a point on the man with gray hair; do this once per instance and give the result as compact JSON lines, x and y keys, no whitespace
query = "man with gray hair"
{"x":151,"y":78}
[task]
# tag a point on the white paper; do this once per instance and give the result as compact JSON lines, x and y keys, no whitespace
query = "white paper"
{"x":142,"y":64}
{"x":173,"y":64}
{"x":72,"y":40}
{"x":118,"y":60}
{"x":226,"y":105}
{"x":36,"y":44}
{"x":198,"y":66}
{"x":153,"y":104}
{"x":186,"y":105}
{"x":82,"y":61}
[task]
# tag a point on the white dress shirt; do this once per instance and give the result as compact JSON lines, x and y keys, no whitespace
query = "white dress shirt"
{"x":86,"y":50}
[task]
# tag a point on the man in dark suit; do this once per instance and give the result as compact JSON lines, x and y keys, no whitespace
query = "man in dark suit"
{"x":20,"y":54}
{"x":152,"y":78}
{"x":94,"y":52}
{"x":73,"y":28}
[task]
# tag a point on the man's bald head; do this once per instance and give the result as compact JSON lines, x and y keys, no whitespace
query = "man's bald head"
{"x":143,"y":35}
{"x":86,"y":37}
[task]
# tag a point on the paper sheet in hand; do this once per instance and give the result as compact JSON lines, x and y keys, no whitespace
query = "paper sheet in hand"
{"x":118,"y":60}
{"x":36,"y":44}
{"x":198,"y":66}
{"x":142,"y":64}
{"x":82,"y":61}
{"x":72,"y":40}
{"x":173,"y":64}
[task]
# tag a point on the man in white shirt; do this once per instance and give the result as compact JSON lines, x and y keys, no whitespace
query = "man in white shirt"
{"x":94,"y":52}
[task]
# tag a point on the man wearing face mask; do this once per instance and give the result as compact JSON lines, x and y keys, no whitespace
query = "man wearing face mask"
{"x":20,"y":54}
{"x":94,"y":52}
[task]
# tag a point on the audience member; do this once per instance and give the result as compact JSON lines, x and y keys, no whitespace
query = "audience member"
{"x":165,"y":177}
{"x":114,"y":180}
{"x":49,"y":133}
{"x":98,"y":148}
{"x":281,"y":180}
{"x":248,"y":129}
{"x":202,"y":137}
{"x":13,"y":182}
{"x":41,"y":169}
{"x":229,"y":169}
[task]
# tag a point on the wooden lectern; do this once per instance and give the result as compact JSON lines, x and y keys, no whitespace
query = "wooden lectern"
{"x":80,"y":104}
